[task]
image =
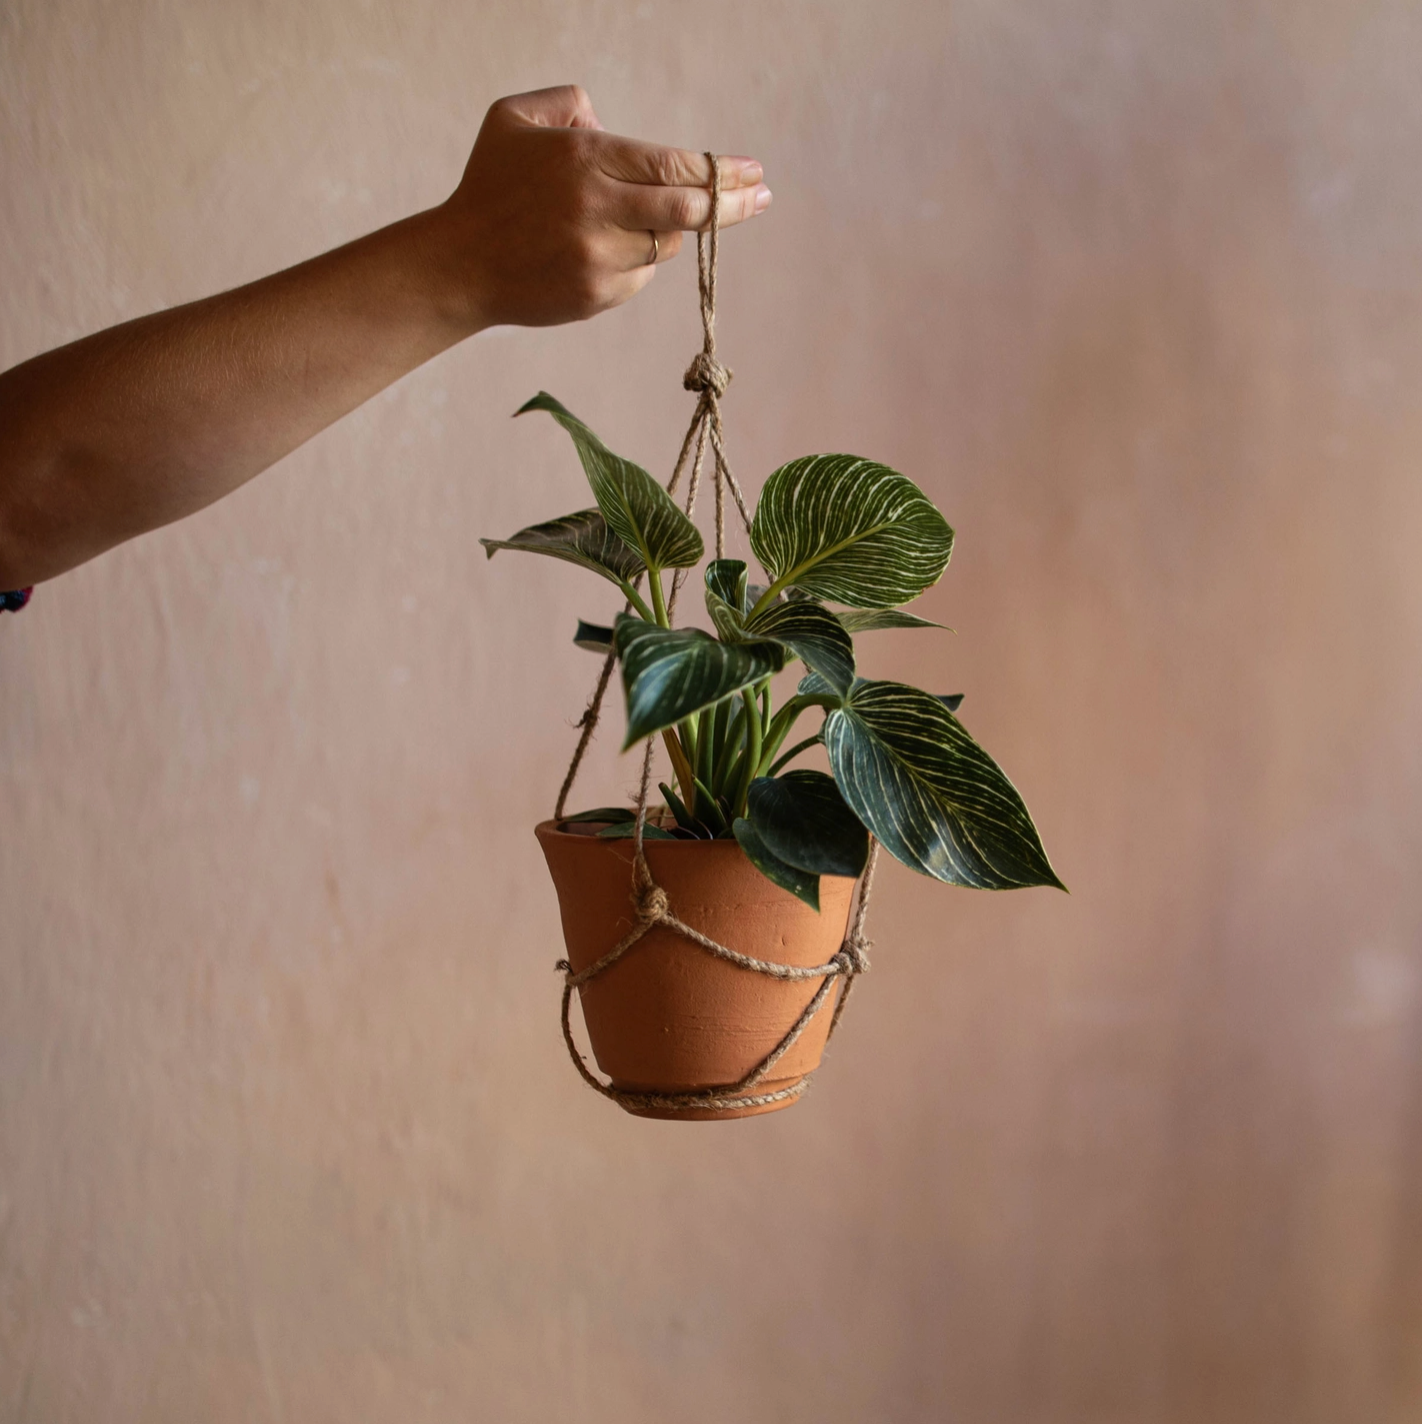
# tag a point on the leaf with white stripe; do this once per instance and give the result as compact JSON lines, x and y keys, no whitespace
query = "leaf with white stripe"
{"x":726,"y":597}
{"x":814,"y":635}
{"x":582,"y":538}
{"x":867,"y":620}
{"x":669,"y":673}
{"x":849,"y":530}
{"x":934,"y":798}
{"x":638,"y":510}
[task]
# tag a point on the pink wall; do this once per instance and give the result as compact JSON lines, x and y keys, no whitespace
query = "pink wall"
{"x":286,"y":1129}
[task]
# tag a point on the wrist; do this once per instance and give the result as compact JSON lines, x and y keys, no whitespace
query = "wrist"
{"x":441,"y":251}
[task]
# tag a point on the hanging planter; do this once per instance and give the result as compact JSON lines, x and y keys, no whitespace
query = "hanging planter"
{"x":713,"y":940}
{"x":681,"y":1031}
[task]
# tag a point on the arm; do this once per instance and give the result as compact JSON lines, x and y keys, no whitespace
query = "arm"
{"x":139,"y":425}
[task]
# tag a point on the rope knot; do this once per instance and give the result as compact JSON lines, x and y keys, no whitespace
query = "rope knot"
{"x":855,"y":954}
{"x":652,"y":904}
{"x":705,"y":374}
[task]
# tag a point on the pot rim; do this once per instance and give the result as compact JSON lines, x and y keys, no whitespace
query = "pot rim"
{"x":550,"y":828}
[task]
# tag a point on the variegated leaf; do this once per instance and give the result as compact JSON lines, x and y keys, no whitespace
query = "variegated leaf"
{"x":935,"y":799}
{"x":726,"y":597}
{"x":867,"y":620}
{"x":669,"y":673}
{"x":849,"y":530}
{"x":814,"y":635}
{"x":582,"y":538}
{"x":638,"y":510}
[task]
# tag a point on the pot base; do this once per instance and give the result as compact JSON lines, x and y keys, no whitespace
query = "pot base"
{"x":771,"y":1085}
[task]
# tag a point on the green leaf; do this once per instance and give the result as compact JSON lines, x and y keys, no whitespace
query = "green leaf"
{"x":935,"y":799}
{"x":951,"y":700}
{"x":637,"y":509}
{"x":600,"y":813}
{"x":867,"y":620}
{"x":802,"y":819}
{"x":582,"y":538}
{"x":815,"y":684}
{"x":594,"y":637}
{"x":625,"y":830}
{"x":814,"y":635}
{"x":803,"y":886}
{"x":849,"y":530}
{"x":684,"y":818}
{"x":726,"y":597}
{"x":669,"y":673}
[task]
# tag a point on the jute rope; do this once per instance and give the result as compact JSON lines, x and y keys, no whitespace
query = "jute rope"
{"x":708,"y":378}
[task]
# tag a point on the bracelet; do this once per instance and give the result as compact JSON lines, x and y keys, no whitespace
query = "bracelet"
{"x":14,"y":601}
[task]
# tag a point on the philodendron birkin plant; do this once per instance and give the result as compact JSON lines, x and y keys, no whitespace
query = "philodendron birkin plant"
{"x":844,"y":543}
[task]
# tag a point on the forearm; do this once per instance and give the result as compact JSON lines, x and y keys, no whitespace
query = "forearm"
{"x":137,"y":426}
{"x":142,"y":424}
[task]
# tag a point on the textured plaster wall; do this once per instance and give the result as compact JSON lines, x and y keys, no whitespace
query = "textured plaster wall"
{"x":286,"y":1129}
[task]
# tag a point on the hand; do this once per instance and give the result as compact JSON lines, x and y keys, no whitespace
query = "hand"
{"x":553,"y":219}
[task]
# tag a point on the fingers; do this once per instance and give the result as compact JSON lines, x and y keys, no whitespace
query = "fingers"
{"x":631,"y":161}
{"x":566,"y":106}
{"x":640,"y":205}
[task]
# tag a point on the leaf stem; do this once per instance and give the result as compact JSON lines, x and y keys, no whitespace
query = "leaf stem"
{"x":753,"y":741}
{"x":636,"y":600}
{"x":659,"y":602}
{"x":790,"y":755}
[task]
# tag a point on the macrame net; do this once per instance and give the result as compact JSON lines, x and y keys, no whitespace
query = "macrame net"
{"x":708,"y":379}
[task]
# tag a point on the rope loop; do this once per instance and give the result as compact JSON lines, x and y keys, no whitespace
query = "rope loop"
{"x":707,"y":374}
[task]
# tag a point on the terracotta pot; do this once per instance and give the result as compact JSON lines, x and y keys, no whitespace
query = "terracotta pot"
{"x":669,"y":1017}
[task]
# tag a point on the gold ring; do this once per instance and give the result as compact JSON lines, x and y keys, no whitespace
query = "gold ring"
{"x":656,"y":248}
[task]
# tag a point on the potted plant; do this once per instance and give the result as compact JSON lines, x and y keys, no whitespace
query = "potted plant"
{"x":752,"y":853}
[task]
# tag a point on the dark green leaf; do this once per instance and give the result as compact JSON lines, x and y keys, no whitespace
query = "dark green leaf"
{"x":935,"y":799}
{"x":600,"y":813}
{"x":815,"y":684}
{"x":684,"y":818}
{"x":582,"y":538}
{"x":594,"y":637}
{"x":669,"y":673}
{"x":637,"y":509}
{"x":814,"y":635}
{"x":951,"y":700}
{"x":726,"y":578}
{"x":726,"y":597}
{"x":849,"y":530}
{"x":866,"y":620}
{"x":803,"y":886}
{"x":624,"y":831}
{"x":803,"y":820}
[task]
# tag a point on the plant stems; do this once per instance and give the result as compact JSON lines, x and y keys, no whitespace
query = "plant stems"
{"x":753,"y":741}
{"x":726,"y":742}
{"x":785,"y":719}
{"x":636,"y":600}
{"x":790,"y":755}
{"x":686,"y":778}
{"x":659,"y":602}
{"x":705,"y":744}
